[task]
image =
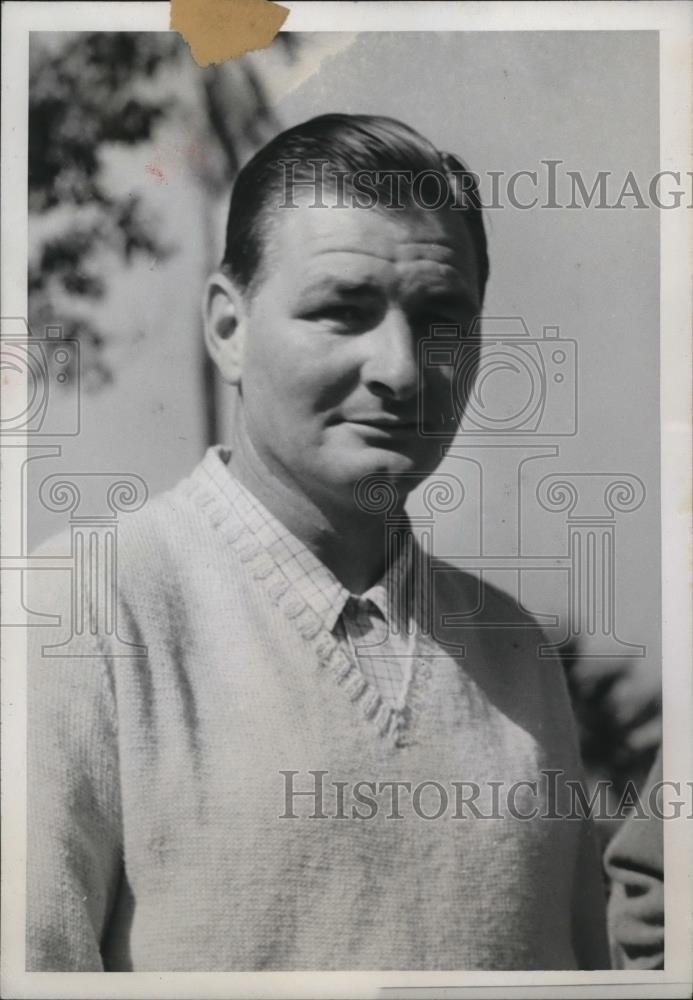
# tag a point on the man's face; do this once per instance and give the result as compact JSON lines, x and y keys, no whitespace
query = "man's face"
{"x":331,"y":379}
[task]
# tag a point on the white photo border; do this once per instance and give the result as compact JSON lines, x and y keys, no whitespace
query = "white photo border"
{"x":674,"y":22}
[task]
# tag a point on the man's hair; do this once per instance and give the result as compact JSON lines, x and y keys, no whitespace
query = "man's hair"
{"x":346,"y":145}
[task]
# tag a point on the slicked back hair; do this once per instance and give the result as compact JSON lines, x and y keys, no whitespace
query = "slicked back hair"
{"x":346,"y":145}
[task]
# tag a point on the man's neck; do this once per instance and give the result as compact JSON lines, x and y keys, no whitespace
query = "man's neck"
{"x":352,"y":546}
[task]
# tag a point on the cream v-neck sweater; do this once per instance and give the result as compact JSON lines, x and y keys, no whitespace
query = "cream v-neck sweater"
{"x":160,"y":835}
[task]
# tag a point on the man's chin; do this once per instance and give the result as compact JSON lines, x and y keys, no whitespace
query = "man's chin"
{"x":389,"y":464}
{"x":344,"y":473}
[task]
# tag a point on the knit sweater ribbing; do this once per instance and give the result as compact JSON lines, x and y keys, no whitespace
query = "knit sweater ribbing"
{"x":156,"y":784}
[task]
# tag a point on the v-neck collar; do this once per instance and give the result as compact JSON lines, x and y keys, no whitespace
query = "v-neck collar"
{"x":225,"y":501}
{"x":315,"y":582}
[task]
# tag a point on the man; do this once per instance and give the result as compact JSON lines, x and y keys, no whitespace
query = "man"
{"x":205,"y":806}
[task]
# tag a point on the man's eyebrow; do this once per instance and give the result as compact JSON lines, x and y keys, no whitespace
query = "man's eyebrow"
{"x":457,"y":298}
{"x":341,"y":285}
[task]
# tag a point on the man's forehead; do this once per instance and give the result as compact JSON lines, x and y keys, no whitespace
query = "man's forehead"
{"x":371,"y":239}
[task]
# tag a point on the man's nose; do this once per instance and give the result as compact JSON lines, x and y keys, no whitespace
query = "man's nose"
{"x":391,"y":370}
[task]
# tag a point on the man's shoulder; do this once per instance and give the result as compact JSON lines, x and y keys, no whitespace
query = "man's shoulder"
{"x":144,"y":567}
{"x":148,"y":522}
{"x":505,"y":651}
{"x":148,"y":543}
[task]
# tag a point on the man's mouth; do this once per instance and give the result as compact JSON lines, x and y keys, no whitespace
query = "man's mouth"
{"x":385,"y":422}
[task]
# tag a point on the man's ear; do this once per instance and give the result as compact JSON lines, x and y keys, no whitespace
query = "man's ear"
{"x":224,"y":318}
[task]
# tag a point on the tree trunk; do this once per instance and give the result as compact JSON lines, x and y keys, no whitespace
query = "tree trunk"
{"x":209,"y":396}
{"x":208,"y":371}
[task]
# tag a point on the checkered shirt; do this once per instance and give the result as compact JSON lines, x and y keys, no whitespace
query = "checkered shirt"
{"x":374,"y":628}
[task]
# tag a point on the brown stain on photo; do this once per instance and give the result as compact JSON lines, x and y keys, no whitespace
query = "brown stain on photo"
{"x":217,"y":30}
{"x":156,"y":172}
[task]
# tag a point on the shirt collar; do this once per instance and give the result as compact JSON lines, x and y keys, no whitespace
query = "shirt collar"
{"x":316,"y":584}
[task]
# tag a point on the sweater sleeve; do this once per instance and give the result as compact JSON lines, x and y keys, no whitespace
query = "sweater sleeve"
{"x":589,"y":903}
{"x":74,"y":853}
{"x":588,"y":907}
{"x":635,"y":863}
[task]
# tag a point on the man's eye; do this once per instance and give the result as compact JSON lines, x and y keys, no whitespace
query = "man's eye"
{"x":425,"y":321}
{"x":422,"y":325}
{"x":345,"y":315}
